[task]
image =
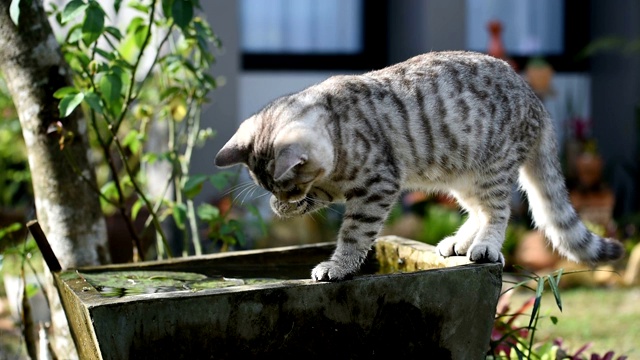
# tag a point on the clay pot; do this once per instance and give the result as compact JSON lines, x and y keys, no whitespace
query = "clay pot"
{"x":589,"y":169}
{"x":539,"y":75}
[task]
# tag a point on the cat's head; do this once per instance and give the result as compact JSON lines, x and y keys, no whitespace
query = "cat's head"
{"x":284,"y":157}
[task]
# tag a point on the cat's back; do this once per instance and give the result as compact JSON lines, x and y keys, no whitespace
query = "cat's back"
{"x":457,"y":63}
{"x":477,"y":77}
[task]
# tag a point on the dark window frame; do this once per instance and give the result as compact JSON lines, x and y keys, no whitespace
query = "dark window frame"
{"x":372,"y":56}
{"x":577,"y":35}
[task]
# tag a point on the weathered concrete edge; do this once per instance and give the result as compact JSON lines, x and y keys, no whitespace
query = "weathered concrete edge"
{"x":411,"y":255}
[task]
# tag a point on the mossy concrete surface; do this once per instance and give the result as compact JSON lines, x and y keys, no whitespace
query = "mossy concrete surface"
{"x":443,"y":313}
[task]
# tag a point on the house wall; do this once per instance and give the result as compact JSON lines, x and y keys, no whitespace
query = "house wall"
{"x":616,"y":96}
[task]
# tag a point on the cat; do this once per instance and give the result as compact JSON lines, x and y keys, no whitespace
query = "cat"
{"x":455,"y":121}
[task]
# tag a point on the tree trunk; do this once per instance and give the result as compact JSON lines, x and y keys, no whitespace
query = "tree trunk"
{"x":67,"y":207}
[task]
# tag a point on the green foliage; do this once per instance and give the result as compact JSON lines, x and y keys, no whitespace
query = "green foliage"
{"x":511,"y":339}
{"x":15,"y":177}
{"x":515,"y":341}
{"x":611,"y":44}
{"x":439,"y":222}
{"x":129,"y":101}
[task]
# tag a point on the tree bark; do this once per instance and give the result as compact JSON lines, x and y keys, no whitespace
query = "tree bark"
{"x":67,"y":206}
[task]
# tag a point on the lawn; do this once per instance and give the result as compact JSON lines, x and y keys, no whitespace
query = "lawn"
{"x":609,"y":318}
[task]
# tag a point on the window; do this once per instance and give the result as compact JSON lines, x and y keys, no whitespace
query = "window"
{"x":313,"y":34}
{"x":553,"y":29}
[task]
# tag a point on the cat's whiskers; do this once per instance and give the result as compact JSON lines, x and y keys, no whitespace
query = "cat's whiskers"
{"x":238,"y":186}
{"x":323,"y":203}
{"x":262,"y":195}
{"x":245,"y":190}
{"x":249,"y":194}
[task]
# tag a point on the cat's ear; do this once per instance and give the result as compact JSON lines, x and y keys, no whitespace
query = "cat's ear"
{"x":232,"y":154}
{"x":287,"y":158}
{"x":237,"y":149}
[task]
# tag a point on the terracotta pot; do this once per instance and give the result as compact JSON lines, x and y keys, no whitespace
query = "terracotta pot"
{"x":589,"y":169}
{"x":539,"y":77}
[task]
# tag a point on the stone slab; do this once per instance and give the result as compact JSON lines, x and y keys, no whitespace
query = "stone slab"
{"x":443,"y":313}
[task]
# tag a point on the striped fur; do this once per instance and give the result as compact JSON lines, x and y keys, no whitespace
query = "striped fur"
{"x":459,"y":122}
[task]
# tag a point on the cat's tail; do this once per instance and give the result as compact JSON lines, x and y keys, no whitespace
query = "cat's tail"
{"x":542,"y":179}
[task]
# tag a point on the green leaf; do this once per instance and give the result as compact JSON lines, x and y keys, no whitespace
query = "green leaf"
{"x":166,"y":7}
{"x":193,"y":185}
{"x":229,"y":240}
{"x":14,"y":11}
{"x":109,"y":190}
{"x":105,"y":54}
{"x":10,"y":229}
{"x":69,"y":103}
{"x":182,"y":12}
{"x":219,"y":180}
{"x":135,"y":208}
{"x":170,"y":93}
{"x":180,"y":215}
{"x":536,"y":304}
{"x":31,"y":290}
{"x":140,"y":34}
{"x":519,"y":353}
{"x":150,"y":158}
{"x":93,"y":100}
{"x":139,"y":6}
{"x":75,"y":34}
{"x":132,"y":140}
{"x":65,"y":91}
{"x":114,"y":31}
{"x":210,"y":81}
{"x":110,"y":87}
{"x":554,"y":320}
{"x":560,"y":271}
{"x":134,"y":24}
{"x":73,"y":9}
{"x":77,"y":60}
{"x":554,"y":289}
{"x":208,"y":212}
{"x":93,"y":24}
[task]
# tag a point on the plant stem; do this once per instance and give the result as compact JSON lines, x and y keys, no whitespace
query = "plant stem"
{"x":191,"y":142}
{"x":195,"y":236}
{"x":140,"y":193}
{"x":121,"y":205}
{"x":129,"y":99}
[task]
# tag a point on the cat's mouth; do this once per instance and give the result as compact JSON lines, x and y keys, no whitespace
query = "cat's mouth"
{"x":288,"y":208}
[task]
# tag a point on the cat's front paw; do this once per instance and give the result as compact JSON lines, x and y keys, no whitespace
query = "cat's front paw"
{"x":332,"y":271}
{"x":452,"y":246}
{"x":485,"y":253}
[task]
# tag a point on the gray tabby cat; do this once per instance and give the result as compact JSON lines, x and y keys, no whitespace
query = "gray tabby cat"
{"x":459,"y":122}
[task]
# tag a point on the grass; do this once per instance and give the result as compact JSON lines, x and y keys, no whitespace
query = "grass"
{"x":609,"y":318}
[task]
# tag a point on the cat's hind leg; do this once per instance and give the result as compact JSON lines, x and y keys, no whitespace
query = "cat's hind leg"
{"x":494,"y":195}
{"x":487,"y":202}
